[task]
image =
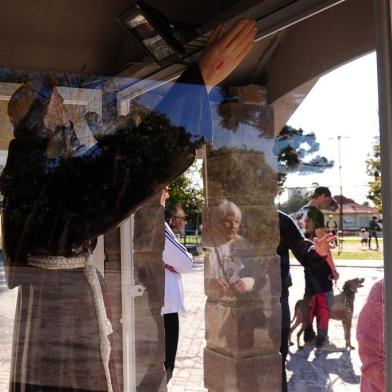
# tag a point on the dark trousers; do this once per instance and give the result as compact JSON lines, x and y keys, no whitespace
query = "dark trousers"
{"x":284,"y":342}
{"x":171,"y":339}
{"x":374,"y":235}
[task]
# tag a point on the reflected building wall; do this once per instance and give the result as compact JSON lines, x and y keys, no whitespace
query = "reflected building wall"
{"x":242,"y":272}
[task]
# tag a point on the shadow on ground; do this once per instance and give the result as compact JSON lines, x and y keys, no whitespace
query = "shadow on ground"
{"x":320,"y":371}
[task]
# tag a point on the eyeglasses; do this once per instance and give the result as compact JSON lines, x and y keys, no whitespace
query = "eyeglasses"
{"x":180,"y":217}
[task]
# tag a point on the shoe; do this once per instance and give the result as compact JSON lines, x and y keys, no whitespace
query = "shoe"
{"x":328,"y":346}
{"x":320,"y":340}
{"x":169,"y":375}
{"x":309,"y":335}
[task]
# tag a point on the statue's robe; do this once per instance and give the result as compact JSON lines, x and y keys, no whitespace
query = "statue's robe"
{"x":59,"y":206}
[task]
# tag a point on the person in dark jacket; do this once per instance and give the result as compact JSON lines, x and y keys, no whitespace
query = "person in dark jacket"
{"x":373,"y":228}
{"x":313,"y":258}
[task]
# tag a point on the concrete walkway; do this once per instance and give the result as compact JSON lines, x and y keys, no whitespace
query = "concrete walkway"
{"x":338,"y":371}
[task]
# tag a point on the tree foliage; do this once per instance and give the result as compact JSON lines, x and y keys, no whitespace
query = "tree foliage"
{"x":295,"y":151}
{"x":294,"y":203}
{"x":186,"y":192}
{"x":373,"y":169}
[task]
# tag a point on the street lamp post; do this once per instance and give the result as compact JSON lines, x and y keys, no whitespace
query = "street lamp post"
{"x":340,"y":247}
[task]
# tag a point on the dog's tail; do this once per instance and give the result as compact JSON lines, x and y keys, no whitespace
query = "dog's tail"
{"x":295,"y":311}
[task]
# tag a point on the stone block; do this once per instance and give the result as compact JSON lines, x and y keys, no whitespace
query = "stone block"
{"x":112,"y":244}
{"x":149,"y":333}
{"x":259,"y":227}
{"x":238,"y":276}
{"x":151,"y":379}
{"x":266,"y":123}
{"x":232,"y":117}
{"x":260,"y":373}
{"x":252,"y":94}
{"x":242,"y":176}
{"x":242,"y":329}
{"x":149,"y":228}
{"x":272,"y":265}
{"x":149,"y":272}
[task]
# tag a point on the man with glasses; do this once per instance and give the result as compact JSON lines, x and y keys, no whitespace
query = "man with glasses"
{"x":177,"y":261}
{"x":177,"y":220}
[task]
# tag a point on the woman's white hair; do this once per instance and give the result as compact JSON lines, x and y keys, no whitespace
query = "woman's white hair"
{"x":223,"y":209}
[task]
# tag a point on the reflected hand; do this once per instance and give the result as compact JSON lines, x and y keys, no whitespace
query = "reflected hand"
{"x":322,"y":245}
{"x":223,"y":284}
{"x":225,"y":51}
{"x":240,"y":287}
{"x":170,"y":268}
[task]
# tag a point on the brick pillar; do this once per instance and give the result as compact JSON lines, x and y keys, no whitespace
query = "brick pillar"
{"x":113,"y":287}
{"x":148,"y":244}
{"x":149,"y":241}
{"x":242,"y":328}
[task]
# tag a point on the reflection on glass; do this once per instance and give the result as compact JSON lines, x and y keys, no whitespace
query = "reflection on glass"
{"x":232,"y":256}
{"x":59,"y":195}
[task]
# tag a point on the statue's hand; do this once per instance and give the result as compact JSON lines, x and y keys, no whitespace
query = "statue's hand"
{"x":225,"y":51}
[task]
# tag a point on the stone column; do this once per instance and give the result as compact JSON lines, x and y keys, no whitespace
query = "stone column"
{"x":149,"y":271}
{"x":242,"y":273}
{"x":148,"y":268}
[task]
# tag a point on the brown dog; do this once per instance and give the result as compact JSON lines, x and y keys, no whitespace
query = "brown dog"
{"x":342,"y":308}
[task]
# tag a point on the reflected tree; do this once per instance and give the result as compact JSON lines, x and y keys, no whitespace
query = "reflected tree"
{"x":373,"y":169}
{"x":295,"y":150}
{"x":186,"y":192}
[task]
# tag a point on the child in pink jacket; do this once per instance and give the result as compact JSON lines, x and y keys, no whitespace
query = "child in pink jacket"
{"x":370,"y":335}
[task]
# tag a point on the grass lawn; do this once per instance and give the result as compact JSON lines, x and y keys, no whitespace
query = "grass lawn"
{"x":354,"y":255}
{"x":190,"y":239}
{"x":358,"y":239}
{"x":358,"y":255}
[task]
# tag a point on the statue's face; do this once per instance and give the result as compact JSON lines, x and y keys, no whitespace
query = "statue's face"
{"x":57,"y":114}
{"x":229,"y":226}
{"x":58,"y":121}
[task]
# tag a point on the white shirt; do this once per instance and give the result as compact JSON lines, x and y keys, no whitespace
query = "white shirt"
{"x":175,"y":255}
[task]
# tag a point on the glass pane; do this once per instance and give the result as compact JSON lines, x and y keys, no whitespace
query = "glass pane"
{"x":97,"y":276}
{"x":330,"y":183}
{"x":71,"y":175}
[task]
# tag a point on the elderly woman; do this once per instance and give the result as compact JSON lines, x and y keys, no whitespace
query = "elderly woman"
{"x":233,"y":268}
{"x":59,"y":198}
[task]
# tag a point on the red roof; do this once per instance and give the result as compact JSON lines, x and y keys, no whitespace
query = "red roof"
{"x":351,"y":207}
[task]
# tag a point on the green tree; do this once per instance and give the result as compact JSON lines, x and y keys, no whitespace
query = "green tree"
{"x":187,"y":192}
{"x":294,"y":203}
{"x":373,"y":169}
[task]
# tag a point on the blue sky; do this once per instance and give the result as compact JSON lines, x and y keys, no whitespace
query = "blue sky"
{"x":343,"y":102}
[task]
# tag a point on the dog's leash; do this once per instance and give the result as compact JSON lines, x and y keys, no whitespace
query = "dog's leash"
{"x":335,"y":284}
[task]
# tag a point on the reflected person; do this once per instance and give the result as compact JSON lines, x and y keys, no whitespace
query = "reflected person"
{"x":312,"y":256}
{"x":232,"y":268}
{"x":177,"y":261}
{"x":57,"y":200}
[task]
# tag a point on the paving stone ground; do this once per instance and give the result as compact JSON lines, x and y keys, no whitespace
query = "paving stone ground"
{"x":326,"y":372}
{"x":338,"y":372}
